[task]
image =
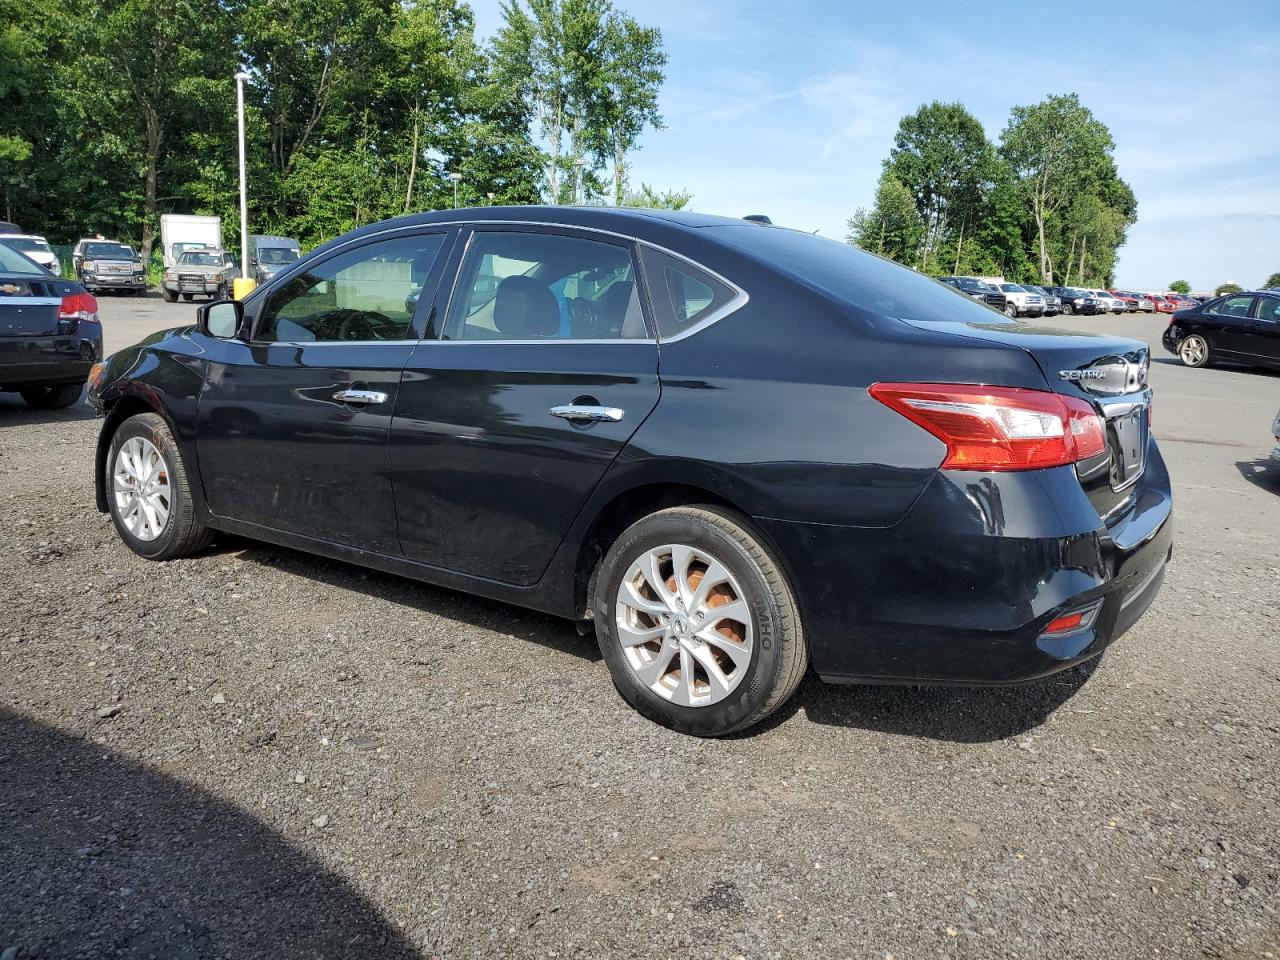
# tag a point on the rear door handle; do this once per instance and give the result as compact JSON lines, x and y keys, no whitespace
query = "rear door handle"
{"x":582,"y":411}
{"x":360,"y":396}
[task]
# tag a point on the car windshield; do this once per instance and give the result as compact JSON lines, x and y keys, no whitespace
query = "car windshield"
{"x":200,"y":258}
{"x":11,"y":261}
{"x":854,"y":276}
{"x":1012,"y":288}
{"x":109,"y":251}
{"x":27,"y":243}
{"x":277,"y":255}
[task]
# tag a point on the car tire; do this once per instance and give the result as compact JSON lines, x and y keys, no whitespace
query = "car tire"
{"x":178,"y":534}
{"x":1011,"y":311}
{"x":1193,"y":351}
{"x":1070,"y":309}
{"x":53,"y":396}
{"x":169,"y":295}
{"x":758,"y":664}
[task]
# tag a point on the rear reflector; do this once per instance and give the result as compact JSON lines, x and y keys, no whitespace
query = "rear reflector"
{"x":78,"y":306}
{"x":1065,"y":624}
{"x":999,"y":428}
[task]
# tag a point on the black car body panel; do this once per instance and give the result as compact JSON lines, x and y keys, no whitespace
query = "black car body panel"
{"x":39,"y":344}
{"x":1239,"y":327}
{"x":901,"y":570}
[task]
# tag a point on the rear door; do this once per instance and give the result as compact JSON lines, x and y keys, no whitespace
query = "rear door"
{"x":1229,"y":324}
{"x":1264,"y":338}
{"x":504,"y":425}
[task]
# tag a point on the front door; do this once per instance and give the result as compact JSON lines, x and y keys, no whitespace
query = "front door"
{"x":1230,"y":324}
{"x":293,"y":424}
{"x":507,"y":422}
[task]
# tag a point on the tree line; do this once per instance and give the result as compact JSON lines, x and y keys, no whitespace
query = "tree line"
{"x":114,"y":112}
{"x":1045,"y":204}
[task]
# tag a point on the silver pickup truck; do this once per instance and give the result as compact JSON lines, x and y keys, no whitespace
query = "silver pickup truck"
{"x":206,"y":273}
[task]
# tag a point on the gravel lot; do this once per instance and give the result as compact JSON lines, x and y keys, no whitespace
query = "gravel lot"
{"x":259,"y":754}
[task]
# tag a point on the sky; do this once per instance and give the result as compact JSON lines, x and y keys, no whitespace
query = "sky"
{"x":789,"y":109}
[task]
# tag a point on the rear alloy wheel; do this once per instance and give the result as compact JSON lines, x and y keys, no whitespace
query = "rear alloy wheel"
{"x":148,"y":493}
{"x":697,"y":623}
{"x":1194,"y":351}
{"x":56,"y":396}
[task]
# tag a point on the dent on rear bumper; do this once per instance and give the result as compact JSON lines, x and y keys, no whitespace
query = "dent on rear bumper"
{"x":962,"y":589}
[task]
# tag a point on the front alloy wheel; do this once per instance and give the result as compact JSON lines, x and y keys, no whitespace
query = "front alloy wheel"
{"x":1194,"y":351}
{"x":697,"y":622}
{"x":140,"y":488}
{"x":1011,"y":311}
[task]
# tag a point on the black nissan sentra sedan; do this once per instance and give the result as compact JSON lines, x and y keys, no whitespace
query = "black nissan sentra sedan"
{"x":738,"y":449}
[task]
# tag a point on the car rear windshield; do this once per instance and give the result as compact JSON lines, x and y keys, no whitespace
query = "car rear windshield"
{"x":854,"y":276}
{"x":275,"y":255}
{"x":11,"y":261}
{"x":109,"y":251}
{"x":199,"y":259}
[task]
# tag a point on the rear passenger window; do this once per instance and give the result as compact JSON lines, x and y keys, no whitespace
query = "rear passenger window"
{"x":1234,"y":307}
{"x":683,"y":295}
{"x":1269,"y":309}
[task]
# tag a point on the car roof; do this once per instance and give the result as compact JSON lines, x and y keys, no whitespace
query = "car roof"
{"x":21,"y":236}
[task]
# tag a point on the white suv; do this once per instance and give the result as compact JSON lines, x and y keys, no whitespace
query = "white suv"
{"x":34,"y":248}
{"x":1019,"y":302}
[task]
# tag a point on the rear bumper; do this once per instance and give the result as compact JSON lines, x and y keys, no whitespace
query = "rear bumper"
{"x":962,"y":589}
{"x":60,"y":358}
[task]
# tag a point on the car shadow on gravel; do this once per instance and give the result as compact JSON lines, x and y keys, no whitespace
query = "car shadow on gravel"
{"x":554,"y":633}
{"x":1262,"y":472}
{"x":952,"y":714}
{"x":15,"y":412}
{"x":103,"y":858}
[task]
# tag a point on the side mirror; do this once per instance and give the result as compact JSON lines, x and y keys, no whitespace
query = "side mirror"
{"x":221,"y":318}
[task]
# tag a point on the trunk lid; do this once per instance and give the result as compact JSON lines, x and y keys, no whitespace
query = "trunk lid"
{"x":1110,"y":373}
{"x":29,"y":306}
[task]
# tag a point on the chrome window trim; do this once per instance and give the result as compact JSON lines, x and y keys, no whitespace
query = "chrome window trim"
{"x":737,"y":302}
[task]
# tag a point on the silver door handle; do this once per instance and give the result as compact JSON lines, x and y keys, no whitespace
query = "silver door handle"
{"x":360,"y":396}
{"x":577,"y":411}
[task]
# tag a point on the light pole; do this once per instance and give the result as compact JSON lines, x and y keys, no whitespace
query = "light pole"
{"x":490,"y":196}
{"x":455,"y":177}
{"x":244,"y":282}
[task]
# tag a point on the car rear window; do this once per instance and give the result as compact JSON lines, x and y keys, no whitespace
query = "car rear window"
{"x":854,"y":276}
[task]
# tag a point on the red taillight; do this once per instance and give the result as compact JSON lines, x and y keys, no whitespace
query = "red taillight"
{"x":78,"y":306}
{"x":999,"y":428}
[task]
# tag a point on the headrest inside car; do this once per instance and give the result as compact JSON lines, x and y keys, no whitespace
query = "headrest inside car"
{"x":525,"y":308}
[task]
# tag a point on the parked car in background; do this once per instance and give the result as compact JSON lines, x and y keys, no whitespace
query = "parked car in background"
{"x":200,"y":273}
{"x":1110,"y":304}
{"x":978,"y":290}
{"x":1163,"y":304}
{"x":1052,"y":302}
{"x":108,"y":265}
{"x":1079,"y":301}
{"x":1133,"y":300}
{"x":1020,"y":302}
{"x":50,"y":336}
{"x":180,"y":232}
{"x":995,"y":492}
{"x":1238,"y":328}
{"x":34,"y":248}
{"x":270,"y":255}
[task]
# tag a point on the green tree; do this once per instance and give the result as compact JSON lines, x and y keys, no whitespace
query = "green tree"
{"x":650,"y":198}
{"x":892,"y":228}
{"x":1272,"y":282}
{"x":1180,"y":286}
{"x":630,"y":80}
{"x":1226,"y":288}
{"x":942,"y":156}
{"x":1059,"y":150}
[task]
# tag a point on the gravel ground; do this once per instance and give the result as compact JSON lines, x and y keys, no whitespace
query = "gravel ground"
{"x":255,"y":753}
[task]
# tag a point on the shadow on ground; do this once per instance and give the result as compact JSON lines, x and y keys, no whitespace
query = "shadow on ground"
{"x":102,"y":858}
{"x":1262,"y":472}
{"x":955,"y":714}
{"x":14,"y":411}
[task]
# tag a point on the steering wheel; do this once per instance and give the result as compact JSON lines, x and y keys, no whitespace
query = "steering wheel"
{"x":360,"y":325}
{"x":584,"y":322}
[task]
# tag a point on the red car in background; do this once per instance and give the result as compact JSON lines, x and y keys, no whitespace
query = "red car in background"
{"x":1163,"y":304}
{"x":1130,"y":299}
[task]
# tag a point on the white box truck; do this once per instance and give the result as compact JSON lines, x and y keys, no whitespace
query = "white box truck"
{"x":182,"y":231}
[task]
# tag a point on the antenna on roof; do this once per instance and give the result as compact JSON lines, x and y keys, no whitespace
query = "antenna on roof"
{"x":759,"y":218}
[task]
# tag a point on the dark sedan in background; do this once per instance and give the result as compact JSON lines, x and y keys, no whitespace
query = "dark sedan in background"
{"x":50,"y":336}
{"x":1239,"y":328}
{"x":1077,"y":301}
{"x":978,"y":290}
{"x":837,"y":461}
